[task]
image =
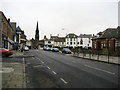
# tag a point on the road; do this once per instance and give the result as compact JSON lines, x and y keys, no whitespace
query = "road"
{"x":56,"y":70}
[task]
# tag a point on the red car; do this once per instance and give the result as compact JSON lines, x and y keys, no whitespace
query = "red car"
{"x":5,"y":52}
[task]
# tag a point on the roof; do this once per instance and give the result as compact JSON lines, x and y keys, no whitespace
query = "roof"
{"x":60,"y":39}
{"x":71,"y":35}
{"x":94,"y":37}
{"x":85,"y":36}
{"x":53,"y":37}
{"x":18,"y":29}
{"x":111,"y":33}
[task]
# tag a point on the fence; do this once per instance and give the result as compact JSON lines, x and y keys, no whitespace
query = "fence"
{"x":98,"y":57}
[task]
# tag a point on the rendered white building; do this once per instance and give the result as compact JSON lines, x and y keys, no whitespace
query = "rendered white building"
{"x":71,"y":40}
{"x":84,"y":40}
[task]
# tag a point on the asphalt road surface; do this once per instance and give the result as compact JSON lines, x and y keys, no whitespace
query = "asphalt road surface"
{"x":56,"y":70}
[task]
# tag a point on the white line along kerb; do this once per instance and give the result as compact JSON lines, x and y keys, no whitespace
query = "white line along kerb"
{"x":100,"y":69}
{"x":63,"y":80}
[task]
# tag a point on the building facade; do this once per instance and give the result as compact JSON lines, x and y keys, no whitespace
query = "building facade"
{"x":6,"y":32}
{"x":84,"y":41}
{"x":108,"y":40}
{"x":59,"y":42}
{"x":71,"y":40}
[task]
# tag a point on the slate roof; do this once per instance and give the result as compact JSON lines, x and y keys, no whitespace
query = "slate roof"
{"x":60,"y":39}
{"x":71,"y":35}
{"x":53,"y":37}
{"x":110,"y":33}
{"x":18,"y":29}
{"x":85,"y":36}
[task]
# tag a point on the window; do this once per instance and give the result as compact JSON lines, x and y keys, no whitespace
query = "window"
{"x":70,"y":39}
{"x":78,"y":43}
{"x":67,"y":42}
{"x":101,"y":45}
{"x":49,"y":41}
{"x":70,"y":43}
{"x":74,"y":39}
{"x":67,"y":39}
{"x":109,"y":43}
{"x":74,"y":42}
{"x":81,"y":41}
{"x":95,"y":46}
{"x":89,"y":40}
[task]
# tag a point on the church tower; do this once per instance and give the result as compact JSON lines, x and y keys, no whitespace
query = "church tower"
{"x":37,"y":36}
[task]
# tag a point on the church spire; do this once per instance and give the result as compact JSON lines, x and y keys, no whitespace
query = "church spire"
{"x":37,"y":32}
{"x":37,"y":27}
{"x":37,"y":37}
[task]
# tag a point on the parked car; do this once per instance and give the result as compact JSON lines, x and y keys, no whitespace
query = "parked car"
{"x":66,"y":51}
{"x":46,"y":48}
{"x":51,"y":48}
{"x":5,"y":52}
{"x":25,"y":48}
{"x":55,"y":50}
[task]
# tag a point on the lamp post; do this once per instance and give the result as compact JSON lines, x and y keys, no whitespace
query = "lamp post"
{"x":108,"y":48}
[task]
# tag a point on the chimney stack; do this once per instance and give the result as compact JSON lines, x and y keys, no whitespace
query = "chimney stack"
{"x":8,"y":20}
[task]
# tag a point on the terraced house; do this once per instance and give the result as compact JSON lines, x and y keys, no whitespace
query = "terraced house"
{"x":84,"y":41}
{"x":71,"y":40}
{"x":6,"y":32}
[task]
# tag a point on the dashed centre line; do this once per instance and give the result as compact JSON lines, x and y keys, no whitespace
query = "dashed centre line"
{"x":48,"y":67}
{"x":40,"y":61}
{"x":54,"y":72}
{"x":63,"y":80}
{"x":33,"y":58}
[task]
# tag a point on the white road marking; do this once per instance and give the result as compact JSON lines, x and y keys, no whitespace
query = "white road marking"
{"x":24,"y":72}
{"x":6,"y":70}
{"x":40,"y":61}
{"x":48,"y":67}
{"x":100,"y":69}
{"x":33,"y":58}
{"x":54,"y":72}
{"x":37,"y":66}
{"x":38,"y":58}
{"x":73,"y":61}
{"x":63,"y":80}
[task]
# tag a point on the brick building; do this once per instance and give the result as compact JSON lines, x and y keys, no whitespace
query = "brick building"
{"x":108,"y":40}
{"x":6,"y":32}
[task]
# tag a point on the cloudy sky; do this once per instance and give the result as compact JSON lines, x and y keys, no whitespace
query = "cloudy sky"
{"x":61,"y":16}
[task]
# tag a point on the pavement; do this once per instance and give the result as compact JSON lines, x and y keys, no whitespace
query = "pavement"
{"x":13,"y":70}
{"x":21,"y":54}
